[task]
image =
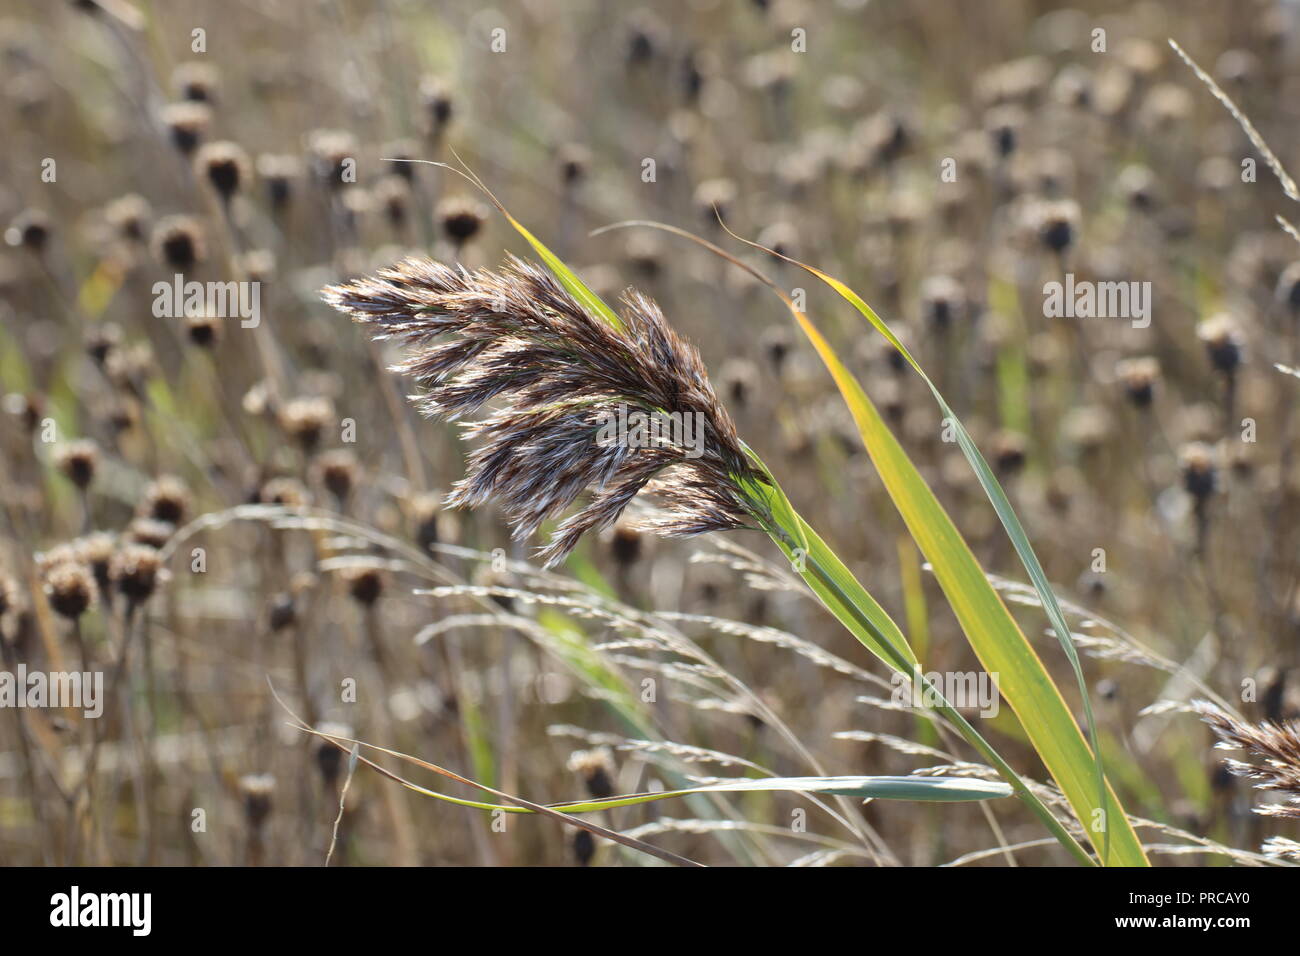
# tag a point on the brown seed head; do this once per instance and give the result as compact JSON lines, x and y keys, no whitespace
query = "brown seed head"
{"x":166,"y":499}
{"x":135,"y":568}
{"x":1200,"y":475}
{"x":303,"y":419}
{"x":128,"y":216}
{"x":29,"y":229}
{"x":178,"y":242}
{"x":187,"y":123}
{"x":225,"y":167}
{"x":576,"y":398}
{"x":70,"y":588}
{"x":96,"y":552}
{"x":78,"y":461}
{"x":365,"y":584}
{"x":1222,"y":342}
{"x":257,"y":789}
{"x":1139,"y":376}
{"x":461,"y":219}
{"x":195,"y":81}
{"x":596,"y":768}
{"x":338,"y":472}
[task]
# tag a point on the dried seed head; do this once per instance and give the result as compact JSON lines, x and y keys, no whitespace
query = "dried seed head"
{"x":1139,"y":377}
{"x":584,"y":847}
{"x":303,"y":419}
{"x":78,"y":461}
{"x":178,"y":242}
{"x":782,"y":238}
{"x":187,"y":123}
{"x":225,"y":166}
{"x":393,"y":195}
{"x":436,"y":104}
{"x":195,"y":81}
{"x":1004,"y":125}
{"x":329,"y":758}
{"x":101,"y":339}
{"x":30,"y":229}
{"x":461,"y":219}
{"x":431,"y":524}
{"x":738,"y":382}
{"x":128,"y":216}
{"x":1009,"y":452}
{"x":1138,"y":186}
{"x":129,"y":367}
{"x":399,"y":153}
{"x":70,"y":588}
{"x":1200,"y":476}
{"x":573,"y":161}
{"x":338,"y":472}
{"x":166,"y":499}
{"x":330,"y":151}
{"x":257,"y":790}
{"x":715,"y":194}
{"x":1057,"y":224}
{"x":625,"y":544}
{"x":202,"y":329}
{"x":135,"y":569}
{"x":365,"y":584}
{"x":943,"y":303}
{"x":279,"y":173}
{"x":596,"y":768}
{"x":775,"y":344}
{"x":1222,"y":342}
{"x":1276,"y":748}
{"x":28,"y":409}
{"x":567,"y":385}
{"x":96,"y":552}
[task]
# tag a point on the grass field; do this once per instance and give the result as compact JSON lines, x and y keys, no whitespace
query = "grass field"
{"x":963,"y":326}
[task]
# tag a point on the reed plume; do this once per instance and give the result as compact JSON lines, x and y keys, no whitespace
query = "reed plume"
{"x":1277,"y":749}
{"x":558,"y":375}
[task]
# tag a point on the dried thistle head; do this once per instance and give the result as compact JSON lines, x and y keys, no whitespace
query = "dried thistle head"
{"x":1276,"y":747}
{"x":78,"y":461}
{"x":167,"y":498}
{"x":565,"y":383}
{"x":71,"y":589}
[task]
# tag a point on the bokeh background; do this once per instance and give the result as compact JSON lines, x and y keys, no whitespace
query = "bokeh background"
{"x":822,"y":129}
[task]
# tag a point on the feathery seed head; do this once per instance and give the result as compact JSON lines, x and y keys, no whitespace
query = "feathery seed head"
{"x":560,"y":378}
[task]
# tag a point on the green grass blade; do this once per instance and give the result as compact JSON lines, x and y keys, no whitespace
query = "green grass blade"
{"x":989,"y":626}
